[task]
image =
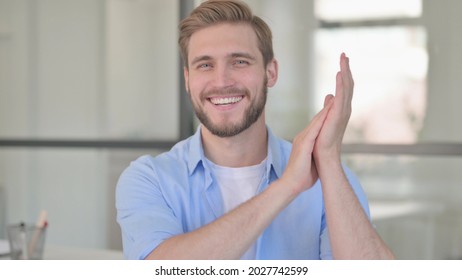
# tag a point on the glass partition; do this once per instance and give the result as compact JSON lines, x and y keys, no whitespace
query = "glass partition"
{"x":414,"y":202}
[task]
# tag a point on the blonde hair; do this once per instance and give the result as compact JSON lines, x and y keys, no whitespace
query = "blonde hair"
{"x":224,"y":11}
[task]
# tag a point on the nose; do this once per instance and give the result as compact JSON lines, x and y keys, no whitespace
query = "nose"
{"x":223,"y":77}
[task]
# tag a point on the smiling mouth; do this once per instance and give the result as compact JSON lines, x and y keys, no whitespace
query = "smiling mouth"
{"x":225,"y":100}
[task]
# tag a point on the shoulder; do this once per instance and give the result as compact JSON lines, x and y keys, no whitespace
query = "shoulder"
{"x":168,"y":161}
{"x":148,"y":171}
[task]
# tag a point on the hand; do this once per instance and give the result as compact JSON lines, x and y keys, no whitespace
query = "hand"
{"x":301,"y":172}
{"x":329,"y":142}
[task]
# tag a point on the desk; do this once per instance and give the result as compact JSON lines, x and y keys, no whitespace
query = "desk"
{"x":55,"y":252}
{"x":4,"y":249}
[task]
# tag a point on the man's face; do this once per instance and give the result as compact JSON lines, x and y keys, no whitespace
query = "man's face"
{"x":227,"y":80}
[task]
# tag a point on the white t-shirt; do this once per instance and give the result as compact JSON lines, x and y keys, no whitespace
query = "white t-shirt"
{"x":238,"y":185}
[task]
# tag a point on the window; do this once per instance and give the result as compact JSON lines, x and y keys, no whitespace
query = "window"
{"x":404,"y":136}
{"x":338,"y":10}
{"x":389,"y":61}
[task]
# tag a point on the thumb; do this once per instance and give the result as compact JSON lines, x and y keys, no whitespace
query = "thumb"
{"x":329,"y":98}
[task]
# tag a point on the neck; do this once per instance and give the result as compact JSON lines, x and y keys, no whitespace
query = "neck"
{"x":245,"y":149}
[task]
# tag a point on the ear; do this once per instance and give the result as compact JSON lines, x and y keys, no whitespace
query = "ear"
{"x":272,"y":73}
{"x":186,"y":78}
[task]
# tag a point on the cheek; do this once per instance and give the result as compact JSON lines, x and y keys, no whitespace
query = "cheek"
{"x":191,"y":85}
{"x":195,"y":91}
{"x":256,"y":83}
{"x":195,"y":82}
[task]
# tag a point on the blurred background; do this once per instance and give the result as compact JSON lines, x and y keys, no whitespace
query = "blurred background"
{"x":86,"y":86}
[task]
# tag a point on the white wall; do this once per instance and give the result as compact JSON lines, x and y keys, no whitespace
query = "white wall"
{"x":444,"y":24}
{"x":142,"y":69}
{"x":81,"y":70}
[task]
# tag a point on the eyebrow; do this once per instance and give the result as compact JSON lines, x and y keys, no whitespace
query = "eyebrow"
{"x":232,"y":55}
{"x":200,"y":58}
{"x":243,"y":55}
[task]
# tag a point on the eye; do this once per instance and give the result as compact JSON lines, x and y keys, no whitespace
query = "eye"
{"x":204,"y":66}
{"x":241,"y":62}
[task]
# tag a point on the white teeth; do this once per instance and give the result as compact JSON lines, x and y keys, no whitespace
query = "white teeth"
{"x":225,"y":100}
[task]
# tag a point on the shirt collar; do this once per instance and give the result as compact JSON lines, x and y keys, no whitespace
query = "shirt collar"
{"x":196,"y":151}
{"x":274,"y":162}
{"x":275,"y":156}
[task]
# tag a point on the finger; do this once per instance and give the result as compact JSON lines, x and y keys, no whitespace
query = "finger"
{"x":328,"y":99}
{"x":343,"y":97}
{"x":339,"y":87}
{"x":344,"y":64}
{"x":349,"y":70}
{"x":346,"y":75}
{"x":349,"y":84}
{"x":344,"y":87}
{"x":313,"y":129}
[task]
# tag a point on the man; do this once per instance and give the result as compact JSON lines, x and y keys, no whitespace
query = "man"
{"x":234,"y":190}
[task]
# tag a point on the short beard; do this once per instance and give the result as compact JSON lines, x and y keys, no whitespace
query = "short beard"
{"x":251,"y":115}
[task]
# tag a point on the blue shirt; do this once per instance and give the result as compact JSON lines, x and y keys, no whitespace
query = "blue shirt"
{"x":175,"y":192}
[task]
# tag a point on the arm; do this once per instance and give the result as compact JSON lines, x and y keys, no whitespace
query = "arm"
{"x":351,"y":234}
{"x":231,"y":235}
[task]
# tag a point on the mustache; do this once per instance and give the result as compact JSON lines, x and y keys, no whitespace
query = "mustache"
{"x":225,"y":91}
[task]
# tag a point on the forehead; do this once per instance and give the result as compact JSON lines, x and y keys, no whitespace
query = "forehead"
{"x":223,"y":39}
